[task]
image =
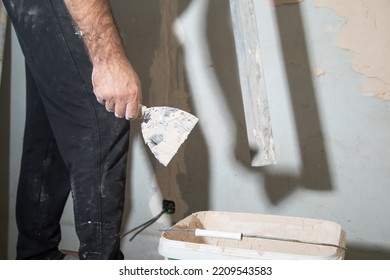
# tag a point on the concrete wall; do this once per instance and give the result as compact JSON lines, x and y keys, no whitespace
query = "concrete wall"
{"x":331,"y":137}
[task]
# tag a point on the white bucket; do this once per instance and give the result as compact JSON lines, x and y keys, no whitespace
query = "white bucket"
{"x":302,"y":238}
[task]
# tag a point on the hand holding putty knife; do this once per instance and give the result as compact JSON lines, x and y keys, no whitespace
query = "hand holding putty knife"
{"x":164,"y":129}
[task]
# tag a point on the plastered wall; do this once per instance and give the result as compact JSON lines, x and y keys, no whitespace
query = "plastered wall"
{"x":329,"y":117}
{"x":364,"y":34}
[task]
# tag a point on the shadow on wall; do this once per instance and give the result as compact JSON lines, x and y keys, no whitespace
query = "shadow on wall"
{"x":361,"y":252}
{"x":190,"y":167}
{"x":146,"y":29}
{"x":315,"y":168}
{"x":4,"y":146}
{"x":315,"y":172}
{"x":223,"y":52}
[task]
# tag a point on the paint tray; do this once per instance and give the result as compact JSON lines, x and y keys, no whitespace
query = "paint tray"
{"x":308,"y":234}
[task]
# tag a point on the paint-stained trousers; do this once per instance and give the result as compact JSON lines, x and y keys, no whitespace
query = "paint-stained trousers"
{"x":71,"y":143}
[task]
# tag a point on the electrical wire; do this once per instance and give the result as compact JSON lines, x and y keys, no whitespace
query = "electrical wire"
{"x":143,"y":226}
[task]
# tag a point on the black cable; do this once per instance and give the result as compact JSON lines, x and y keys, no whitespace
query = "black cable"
{"x":143,"y":226}
{"x":151,"y":222}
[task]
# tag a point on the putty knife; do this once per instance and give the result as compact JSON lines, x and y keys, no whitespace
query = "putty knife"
{"x":164,"y":129}
{"x":240,"y":235}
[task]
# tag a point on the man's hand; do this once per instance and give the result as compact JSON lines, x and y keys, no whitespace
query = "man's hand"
{"x":117,"y":86}
{"x":115,"y":83}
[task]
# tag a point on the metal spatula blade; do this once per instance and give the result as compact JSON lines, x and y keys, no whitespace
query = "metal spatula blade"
{"x":164,"y":130}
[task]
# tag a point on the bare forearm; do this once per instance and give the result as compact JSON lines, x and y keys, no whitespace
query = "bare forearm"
{"x":115,"y":82}
{"x":95,"y":21}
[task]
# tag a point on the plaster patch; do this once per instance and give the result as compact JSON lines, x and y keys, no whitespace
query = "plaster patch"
{"x":365,"y":34}
{"x":318,"y":72}
{"x":168,"y":85}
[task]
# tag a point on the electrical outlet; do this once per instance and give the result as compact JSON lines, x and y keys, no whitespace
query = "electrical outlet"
{"x":168,"y":206}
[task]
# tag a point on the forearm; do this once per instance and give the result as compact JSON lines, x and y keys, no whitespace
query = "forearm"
{"x":115,"y":82}
{"x":95,"y":21}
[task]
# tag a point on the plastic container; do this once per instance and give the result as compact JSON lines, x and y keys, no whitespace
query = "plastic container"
{"x":184,"y":245}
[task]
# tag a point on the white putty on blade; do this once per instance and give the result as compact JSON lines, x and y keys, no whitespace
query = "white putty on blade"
{"x":164,"y":129}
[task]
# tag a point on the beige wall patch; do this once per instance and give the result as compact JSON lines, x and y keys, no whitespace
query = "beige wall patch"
{"x":365,"y":33}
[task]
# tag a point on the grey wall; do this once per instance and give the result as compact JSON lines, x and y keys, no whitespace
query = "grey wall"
{"x":4,"y":148}
{"x":14,"y":91}
{"x":331,"y":140}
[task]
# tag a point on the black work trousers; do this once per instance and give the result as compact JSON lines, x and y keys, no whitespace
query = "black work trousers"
{"x":71,"y":143}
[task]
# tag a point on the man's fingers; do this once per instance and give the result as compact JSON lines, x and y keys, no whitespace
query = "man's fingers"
{"x":100,"y":100}
{"x":117,"y":103}
{"x":110,"y":107}
{"x":132,"y":111}
{"x":126,"y":110}
{"x":120,"y":110}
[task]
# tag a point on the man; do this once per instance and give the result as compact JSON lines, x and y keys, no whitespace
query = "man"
{"x":75,"y":64}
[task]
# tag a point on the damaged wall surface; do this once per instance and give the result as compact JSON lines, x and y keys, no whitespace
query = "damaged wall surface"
{"x":365,"y":34}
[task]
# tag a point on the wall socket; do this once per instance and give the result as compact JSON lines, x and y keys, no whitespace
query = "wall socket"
{"x":168,"y":206}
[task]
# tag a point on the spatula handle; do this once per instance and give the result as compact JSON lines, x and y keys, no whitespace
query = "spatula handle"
{"x":218,"y":234}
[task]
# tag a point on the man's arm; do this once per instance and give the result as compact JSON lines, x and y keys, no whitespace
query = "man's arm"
{"x":114,"y":80}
